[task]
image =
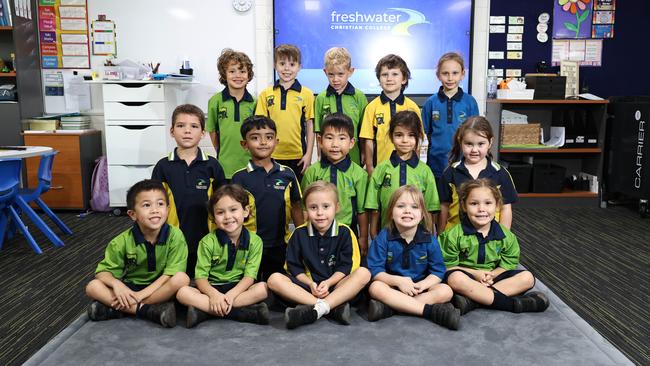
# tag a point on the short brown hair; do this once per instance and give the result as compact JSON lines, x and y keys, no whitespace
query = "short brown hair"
{"x":468,"y":186}
{"x":409,"y":120}
{"x":450,"y":56}
{"x":392,"y":61}
{"x":477,"y":124}
{"x":234,"y":191}
{"x":190,"y":109}
{"x":288,"y":51}
{"x":320,"y":186}
{"x":145,"y":185}
{"x":229,"y":56}
{"x":338,"y":56}
{"x":416,"y":193}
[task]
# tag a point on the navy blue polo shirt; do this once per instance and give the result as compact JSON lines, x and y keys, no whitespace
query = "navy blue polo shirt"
{"x":390,"y":253}
{"x":457,"y":173}
{"x":189,"y":188}
{"x":441,"y":117}
{"x":272,"y":195}
{"x":320,"y":256}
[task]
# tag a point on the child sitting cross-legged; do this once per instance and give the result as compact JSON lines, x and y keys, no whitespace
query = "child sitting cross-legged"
{"x":227,"y":263}
{"x":322,"y":263}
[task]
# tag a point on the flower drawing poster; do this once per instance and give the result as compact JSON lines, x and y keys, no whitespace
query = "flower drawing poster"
{"x":572,"y":19}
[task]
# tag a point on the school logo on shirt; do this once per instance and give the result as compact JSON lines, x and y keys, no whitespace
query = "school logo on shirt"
{"x":280,"y":184}
{"x":331,"y":261}
{"x":422,"y":259}
{"x":202,"y":184}
{"x":270,"y":101}
{"x":435,"y":115}
{"x":389,"y":256}
{"x":215,"y":260}
{"x":131,"y":262}
{"x":298,"y":98}
{"x":462,"y":117}
{"x":326,"y":110}
{"x":379,"y":117}
{"x":223,"y":113}
{"x":386,"y":181}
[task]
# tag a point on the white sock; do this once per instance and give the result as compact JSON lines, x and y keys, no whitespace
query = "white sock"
{"x":322,"y":307}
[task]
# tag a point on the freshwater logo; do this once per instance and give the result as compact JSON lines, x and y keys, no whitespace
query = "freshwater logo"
{"x":398,"y":23}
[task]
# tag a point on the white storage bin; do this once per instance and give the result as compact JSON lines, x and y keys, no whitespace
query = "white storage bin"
{"x":133,"y":92}
{"x":121,"y":178}
{"x":136,"y":122}
{"x":134,"y":110}
{"x":137,"y":145}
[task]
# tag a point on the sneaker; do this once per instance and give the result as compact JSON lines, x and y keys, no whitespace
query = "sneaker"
{"x":98,"y":311}
{"x":163,"y":314}
{"x":446,"y":315}
{"x":341,"y":314}
{"x":195,"y":316}
{"x":531,"y":302}
{"x":378,"y":310}
{"x":256,"y":313}
{"x":464,"y":304}
{"x":300,"y":315}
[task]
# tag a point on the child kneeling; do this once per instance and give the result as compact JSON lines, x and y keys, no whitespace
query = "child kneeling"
{"x":227,"y":263}
{"x":323,"y":263}
{"x":482,"y":256}
{"x":407,"y":265}
{"x":143,"y":267}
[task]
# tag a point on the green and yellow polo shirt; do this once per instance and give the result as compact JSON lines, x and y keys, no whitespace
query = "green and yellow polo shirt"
{"x":220,"y":261}
{"x":130,"y":258}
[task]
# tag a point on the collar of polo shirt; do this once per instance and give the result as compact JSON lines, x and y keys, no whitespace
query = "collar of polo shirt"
{"x":456,"y":97}
{"x":244,"y":238}
{"x":295,"y":86}
{"x":349,"y":90}
{"x":342,"y":165}
{"x":252,"y":167}
{"x":225,"y":95}
{"x":495,"y":233}
{"x":200,"y":155}
{"x":384,"y":99}
{"x":138,"y":237}
{"x":412,"y":161}
{"x":422,"y":235}
{"x":331,"y":232}
{"x":490,"y":169}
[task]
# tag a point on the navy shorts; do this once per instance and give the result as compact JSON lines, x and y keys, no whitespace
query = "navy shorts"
{"x":224,"y":287}
{"x":135,"y":287}
{"x":501,"y":277}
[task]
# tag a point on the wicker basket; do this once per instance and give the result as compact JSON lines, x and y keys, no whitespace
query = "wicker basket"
{"x":520,"y":134}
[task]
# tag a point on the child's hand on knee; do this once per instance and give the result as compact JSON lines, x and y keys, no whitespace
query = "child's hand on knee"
{"x":407,"y":286}
{"x":323,"y":290}
{"x":125,"y":297}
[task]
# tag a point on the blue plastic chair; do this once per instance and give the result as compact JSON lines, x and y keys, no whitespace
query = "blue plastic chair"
{"x":9,"y":185}
{"x":44,"y":182}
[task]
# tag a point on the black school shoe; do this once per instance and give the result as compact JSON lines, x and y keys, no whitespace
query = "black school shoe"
{"x":98,"y":311}
{"x":256,"y":313}
{"x":464,"y":304}
{"x":446,"y":315}
{"x":378,"y":310}
{"x":195,"y":316}
{"x":300,"y":315}
{"x":341,"y":314}
{"x":163,"y":314}
{"x":531,"y":302}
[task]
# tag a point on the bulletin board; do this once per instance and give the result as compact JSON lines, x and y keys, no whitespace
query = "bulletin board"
{"x":63,"y":34}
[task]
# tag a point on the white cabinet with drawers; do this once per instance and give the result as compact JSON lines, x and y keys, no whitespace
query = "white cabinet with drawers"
{"x":137,"y":118}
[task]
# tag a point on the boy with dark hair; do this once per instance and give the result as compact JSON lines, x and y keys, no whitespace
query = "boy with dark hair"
{"x":189,"y":176}
{"x":393,"y":75}
{"x":291,"y":106}
{"x":229,"y":108}
{"x":275,"y":193}
{"x":143,"y":267}
{"x":336,"y":166}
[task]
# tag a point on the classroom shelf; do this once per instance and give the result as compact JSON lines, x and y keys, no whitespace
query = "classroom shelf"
{"x":8,"y":74}
{"x":6,"y":28}
{"x":592,"y":150}
{"x":564,"y":194}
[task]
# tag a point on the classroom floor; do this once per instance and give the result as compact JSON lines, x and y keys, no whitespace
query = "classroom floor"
{"x":592,"y":265}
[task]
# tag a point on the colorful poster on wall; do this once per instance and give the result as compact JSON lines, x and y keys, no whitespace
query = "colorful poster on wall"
{"x":63,"y":34}
{"x":572,"y":19}
{"x":603,"y":20}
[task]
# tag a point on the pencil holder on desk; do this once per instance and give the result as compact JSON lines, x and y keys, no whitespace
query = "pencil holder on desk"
{"x":186,"y":71}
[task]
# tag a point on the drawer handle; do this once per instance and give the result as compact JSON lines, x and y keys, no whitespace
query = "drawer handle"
{"x":134,"y":104}
{"x":56,"y":187}
{"x":133,"y":85}
{"x":135,"y":127}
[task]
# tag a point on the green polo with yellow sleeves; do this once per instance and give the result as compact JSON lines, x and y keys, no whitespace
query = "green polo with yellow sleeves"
{"x":225,"y":117}
{"x":132,"y":259}
{"x":389,"y":175}
{"x":351,"y":182}
{"x":463,"y":246}
{"x":350,"y":102}
{"x":221,"y":262}
{"x":290,"y":109}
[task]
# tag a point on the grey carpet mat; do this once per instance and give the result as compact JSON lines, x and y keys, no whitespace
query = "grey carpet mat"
{"x":555,"y":337}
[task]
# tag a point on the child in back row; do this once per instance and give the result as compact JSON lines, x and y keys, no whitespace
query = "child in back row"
{"x":144,"y":266}
{"x":407,"y":266}
{"x":275,"y":193}
{"x":322,"y":263}
{"x":189,"y":176}
{"x":227,"y":265}
{"x":470,"y":158}
{"x":341,"y":96}
{"x":482,"y":255}
{"x":443,"y":112}
{"x":229,"y":108}
{"x":291,"y":106}
{"x":337,"y":167}
{"x":393,"y":75}
{"x":403,"y":167}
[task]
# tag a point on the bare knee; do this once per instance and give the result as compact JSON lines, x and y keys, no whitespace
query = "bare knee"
{"x":92,"y":287}
{"x":527,"y":279}
{"x":444,"y":292}
{"x":184,"y":293}
{"x":376,"y":289}
{"x":362,"y":274}
{"x":458,"y":281}
{"x":260,"y":290}
{"x":179,"y":280}
{"x":275,"y":280}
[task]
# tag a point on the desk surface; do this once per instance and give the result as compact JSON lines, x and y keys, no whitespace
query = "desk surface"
{"x":6,"y":152}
